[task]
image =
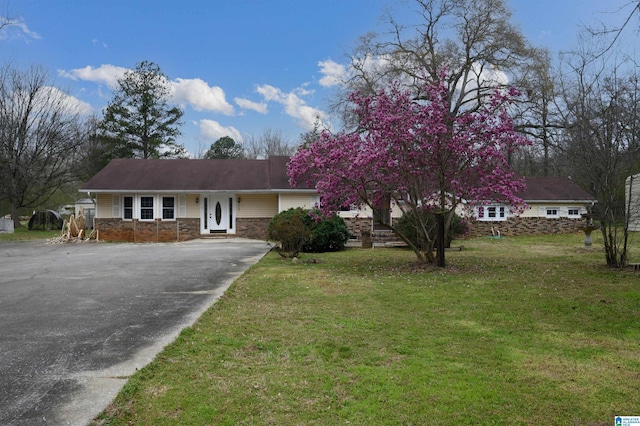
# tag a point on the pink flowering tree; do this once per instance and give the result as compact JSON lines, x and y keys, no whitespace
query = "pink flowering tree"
{"x":416,"y":154}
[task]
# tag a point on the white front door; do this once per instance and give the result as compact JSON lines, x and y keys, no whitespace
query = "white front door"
{"x":217,"y":209}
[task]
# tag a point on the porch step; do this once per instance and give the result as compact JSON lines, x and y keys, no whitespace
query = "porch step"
{"x":215,"y":236}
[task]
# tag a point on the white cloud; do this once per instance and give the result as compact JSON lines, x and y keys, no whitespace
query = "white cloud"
{"x":485,"y":76}
{"x":51,"y":95}
{"x":260,"y":107}
{"x":96,"y":42}
{"x":294,"y":105}
{"x":333,"y":72}
{"x":20,"y":24}
{"x":212,"y":130}
{"x":201,"y":96}
{"x":76,"y":104}
{"x":108,"y":74}
{"x":270,"y":93}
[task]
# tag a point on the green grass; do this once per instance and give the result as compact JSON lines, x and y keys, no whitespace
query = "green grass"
{"x":21,"y":234}
{"x":531,"y":330}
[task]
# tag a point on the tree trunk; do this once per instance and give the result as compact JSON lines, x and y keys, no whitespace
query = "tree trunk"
{"x":440,"y":238}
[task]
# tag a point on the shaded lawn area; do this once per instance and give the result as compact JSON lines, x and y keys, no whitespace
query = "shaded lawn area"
{"x":528,"y":330}
{"x":22,"y":234}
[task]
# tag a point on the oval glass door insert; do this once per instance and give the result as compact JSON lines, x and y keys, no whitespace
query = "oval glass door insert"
{"x":218,"y":213}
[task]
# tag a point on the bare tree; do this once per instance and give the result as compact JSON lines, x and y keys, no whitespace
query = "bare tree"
{"x":472,"y":40}
{"x":92,"y":152}
{"x":39,"y":132}
{"x":6,"y":20}
{"x":602,"y":115}
{"x":538,"y":115}
{"x":612,"y":33}
{"x":270,"y":143}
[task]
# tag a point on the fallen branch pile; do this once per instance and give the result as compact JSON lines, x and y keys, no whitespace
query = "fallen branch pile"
{"x":73,"y":230}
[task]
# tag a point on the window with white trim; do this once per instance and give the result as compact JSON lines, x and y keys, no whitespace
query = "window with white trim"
{"x":168,"y":208}
{"x":127,"y":207}
{"x":573,"y":212}
{"x":146,"y":208}
{"x":491,"y":213}
{"x":552,"y":212}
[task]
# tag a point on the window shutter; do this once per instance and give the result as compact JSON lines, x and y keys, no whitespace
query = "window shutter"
{"x":116,"y":212}
{"x":182,"y":205}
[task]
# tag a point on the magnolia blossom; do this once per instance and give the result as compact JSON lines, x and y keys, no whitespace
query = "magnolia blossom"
{"x":415,"y":153}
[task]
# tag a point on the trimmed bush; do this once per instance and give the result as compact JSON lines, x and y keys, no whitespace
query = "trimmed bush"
{"x":291,"y":229}
{"x":297,"y":230}
{"x":327,"y":234}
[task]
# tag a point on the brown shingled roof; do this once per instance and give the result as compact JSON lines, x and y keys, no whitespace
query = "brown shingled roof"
{"x":544,"y":188}
{"x":191,"y":175}
{"x":260,"y":175}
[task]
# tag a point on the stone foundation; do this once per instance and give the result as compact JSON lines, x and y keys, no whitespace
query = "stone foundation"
{"x":256,"y":228}
{"x":511,"y":227}
{"x":137,"y":231}
{"x":516,"y":226}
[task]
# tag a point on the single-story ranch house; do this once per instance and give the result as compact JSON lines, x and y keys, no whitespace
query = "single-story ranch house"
{"x":555,"y":205}
{"x":174,"y":200}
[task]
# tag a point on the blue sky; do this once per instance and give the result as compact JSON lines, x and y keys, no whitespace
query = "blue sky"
{"x":237,"y":67}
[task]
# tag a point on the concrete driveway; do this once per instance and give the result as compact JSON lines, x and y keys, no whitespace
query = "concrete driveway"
{"x":77,"y":319}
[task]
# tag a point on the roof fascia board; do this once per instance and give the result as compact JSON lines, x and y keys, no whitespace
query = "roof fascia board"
{"x":560,"y":201}
{"x":197,"y":191}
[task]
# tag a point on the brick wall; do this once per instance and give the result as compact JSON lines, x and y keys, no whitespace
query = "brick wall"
{"x":255,"y":228}
{"x":147,"y":231}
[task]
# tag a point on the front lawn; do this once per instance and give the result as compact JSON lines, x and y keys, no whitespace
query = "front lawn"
{"x":530,"y":330}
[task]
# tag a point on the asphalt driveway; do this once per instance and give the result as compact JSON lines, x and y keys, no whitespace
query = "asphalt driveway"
{"x":77,"y":319}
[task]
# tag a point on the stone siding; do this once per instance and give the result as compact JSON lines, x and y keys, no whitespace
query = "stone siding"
{"x":358,"y":226}
{"x":147,"y":231}
{"x":516,"y":226}
{"x":256,"y":228}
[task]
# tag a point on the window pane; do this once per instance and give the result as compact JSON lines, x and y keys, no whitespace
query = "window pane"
{"x":168,"y":211}
{"x":128,"y":207}
{"x":146,"y":208}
